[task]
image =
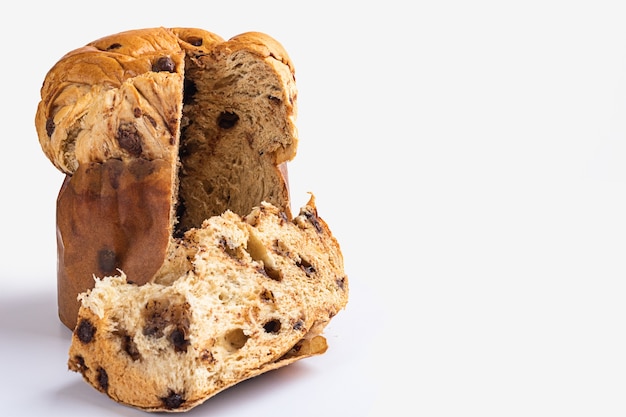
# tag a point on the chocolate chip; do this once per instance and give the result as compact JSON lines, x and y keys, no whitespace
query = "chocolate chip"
{"x":80,"y":363}
{"x":312,"y":218}
{"x":103,"y":379}
{"x":50,"y":126}
{"x":189,"y":91}
{"x":173,"y":400}
{"x":272,"y":326}
{"x":129,"y":138}
{"x":153,"y":329}
{"x":114,"y":46}
{"x":306,"y":267}
{"x":227,"y":120}
{"x":207,"y":356}
{"x":299,"y":325}
{"x":159,"y":314}
{"x":274,"y":99}
{"x":106,"y":261}
{"x":341,"y":283}
{"x":156,"y":315}
{"x":164,"y":63}
{"x":194,"y":40}
{"x":85,"y":331}
{"x":130,"y":347}
{"x":177,"y":337}
{"x":137,"y":112}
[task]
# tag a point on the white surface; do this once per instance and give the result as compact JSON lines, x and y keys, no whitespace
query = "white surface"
{"x":470,"y":158}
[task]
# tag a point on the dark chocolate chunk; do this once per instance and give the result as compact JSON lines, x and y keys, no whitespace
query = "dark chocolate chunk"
{"x":129,"y":138}
{"x":103,"y":379}
{"x":177,"y":337}
{"x":164,"y":63}
{"x":157,"y":316}
{"x":130,"y":347}
{"x":312,"y":217}
{"x":137,"y":112}
{"x":85,"y":331}
{"x":306,"y":267}
{"x":50,"y":126}
{"x":189,"y":91}
{"x":299,"y":325}
{"x":106,"y":261}
{"x":207,"y":356}
{"x":153,"y":328}
{"x":173,"y":400}
{"x":80,"y":363}
{"x":274,"y":99}
{"x":341,"y":283}
{"x":227,"y":119}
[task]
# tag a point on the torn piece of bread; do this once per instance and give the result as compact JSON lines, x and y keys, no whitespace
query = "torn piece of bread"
{"x":243,"y":296}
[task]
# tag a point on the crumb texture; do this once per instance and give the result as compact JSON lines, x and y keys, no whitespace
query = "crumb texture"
{"x":258,"y":292}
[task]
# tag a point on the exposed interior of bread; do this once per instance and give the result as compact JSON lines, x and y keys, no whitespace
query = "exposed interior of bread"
{"x":257,"y":295}
{"x":236,"y":131}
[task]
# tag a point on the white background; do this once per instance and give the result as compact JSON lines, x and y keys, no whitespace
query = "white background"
{"x":470,"y":157}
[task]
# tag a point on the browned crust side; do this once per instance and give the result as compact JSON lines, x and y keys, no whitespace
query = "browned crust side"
{"x":112,"y":215}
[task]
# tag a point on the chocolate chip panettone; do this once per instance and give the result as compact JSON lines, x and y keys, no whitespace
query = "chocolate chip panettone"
{"x":157,"y":130}
{"x":181,"y":269}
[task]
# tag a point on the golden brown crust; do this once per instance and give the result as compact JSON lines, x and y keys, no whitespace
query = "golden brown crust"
{"x":260,"y":43}
{"x":74,"y":128}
